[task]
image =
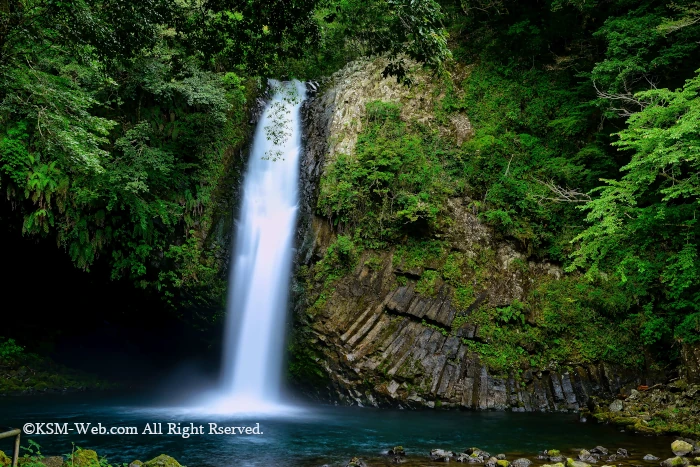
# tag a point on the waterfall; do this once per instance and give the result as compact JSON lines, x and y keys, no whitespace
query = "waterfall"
{"x":262,"y":257}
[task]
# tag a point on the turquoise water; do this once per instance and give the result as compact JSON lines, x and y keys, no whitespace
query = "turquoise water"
{"x":311,"y":436}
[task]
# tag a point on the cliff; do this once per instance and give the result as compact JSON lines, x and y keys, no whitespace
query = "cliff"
{"x":406,"y":323}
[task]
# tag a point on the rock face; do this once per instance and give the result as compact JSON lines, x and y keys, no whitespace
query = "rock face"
{"x":376,"y":339}
{"x":691,"y":362}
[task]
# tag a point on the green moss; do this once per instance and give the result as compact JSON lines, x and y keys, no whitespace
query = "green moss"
{"x":5,"y":461}
{"x":162,"y":461}
{"x":84,"y":458}
{"x":428,"y":284}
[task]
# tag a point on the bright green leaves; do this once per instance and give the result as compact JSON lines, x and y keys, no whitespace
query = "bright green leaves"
{"x":645,"y":226}
{"x":395,"y":181}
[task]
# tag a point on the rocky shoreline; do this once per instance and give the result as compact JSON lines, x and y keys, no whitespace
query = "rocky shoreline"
{"x":672,"y":408}
{"x":685,"y":453}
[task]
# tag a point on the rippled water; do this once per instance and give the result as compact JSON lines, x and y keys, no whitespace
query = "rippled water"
{"x":309,"y":436}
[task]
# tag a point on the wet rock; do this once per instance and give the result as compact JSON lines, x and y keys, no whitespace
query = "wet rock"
{"x":52,"y":461}
{"x":599,"y":450}
{"x":612,"y":458}
{"x":463,"y":457}
{"x":356,"y":462}
{"x":650,"y":458}
{"x":681,"y":448}
{"x":397,"y":451}
{"x":162,"y":461}
{"x":522,"y":462}
{"x":440,"y":455}
{"x":616,"y":406}
{"x":584,"y":453}
{"x":675,"y":462}
{"x":623,"y":452}
{"x":572,"y":463}
{"x":136,"y":463}
{"x":398,"y":460}
{"x":553,"y":452}
{"x":500,"y":457}
{"x":492,"y":462}
{"x":556,"y":459}
{"x":502,"y":463}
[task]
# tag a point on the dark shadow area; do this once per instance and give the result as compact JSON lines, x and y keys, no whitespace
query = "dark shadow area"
{"x":88,"y":322}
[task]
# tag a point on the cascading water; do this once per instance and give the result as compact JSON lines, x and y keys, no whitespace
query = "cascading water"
{"x":262,"y":257}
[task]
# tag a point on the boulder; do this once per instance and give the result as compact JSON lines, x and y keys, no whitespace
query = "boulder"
{"x":572,"y":463}
{"x":616,"y":406}
{"x":397,"y":451}
{"x":492,"y":462}
{"x":356,"y":462}
{"x":84,"y":458}
{"x":681,"y":448}
{"x":440,"y":455}
{"x":623,"y":452}
{"x":502,"y":463}
{"x":522,"y":462}
{"x":599,"y":450}
{"x":501,"y":457}
{"x":650,"y":458}
{"x":52,"y":461}
{"x":675,"y":462}
{"x":162,"y":461}
{"x":553,"y":452}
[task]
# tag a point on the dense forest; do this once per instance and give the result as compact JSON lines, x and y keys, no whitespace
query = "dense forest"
{"x":121,"y":122}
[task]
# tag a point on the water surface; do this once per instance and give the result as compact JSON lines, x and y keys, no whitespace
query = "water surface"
{"x":310,"y":436}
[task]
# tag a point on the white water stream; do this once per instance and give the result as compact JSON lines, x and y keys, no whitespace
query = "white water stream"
{"x":262,"y":259}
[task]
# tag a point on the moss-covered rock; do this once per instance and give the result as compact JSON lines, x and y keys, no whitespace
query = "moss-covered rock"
{"x":675,"y":462}
{"x":84,"y":458}
{"x":503,"y":463}
{"x":356,"y":462}
{"x":553,"y":452}
{"x":397,"y":451}
{"x":681,"y":448}
{"x":572,"y":463}
{"x":136,"y":463}
{"x":162,"y":461}
{"x":53,"y":461}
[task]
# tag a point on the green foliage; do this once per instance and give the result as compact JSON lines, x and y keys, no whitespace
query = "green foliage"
{"x":515,"y":312}
{"x":428,"y":283}
{"x":644,"y":227}
{"x":9,"y":349}
{"x":397,"y":28}
{"x":394,"y":183}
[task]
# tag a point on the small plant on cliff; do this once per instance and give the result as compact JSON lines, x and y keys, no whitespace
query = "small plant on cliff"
{"x":9,"y":349}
